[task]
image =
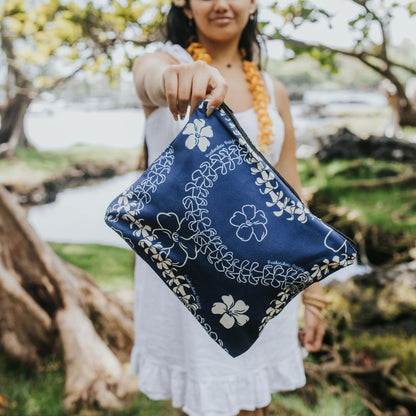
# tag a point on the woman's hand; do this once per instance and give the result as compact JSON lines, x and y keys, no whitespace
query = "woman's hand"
{"x":311,"y":337}
{"x":188,"y":84}
{"x":314,"y":301}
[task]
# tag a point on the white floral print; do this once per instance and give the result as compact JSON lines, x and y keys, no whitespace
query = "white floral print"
{"x":250,"y":222}
{"x":198,"y":135}
{"x":231,"y":311}
{"x":173,"y":235}
{"x":266,"y":179}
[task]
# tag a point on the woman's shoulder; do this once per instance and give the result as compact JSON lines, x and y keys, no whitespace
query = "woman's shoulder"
{"x":281,"y":96}
{"x":176,"y":51}
{"x":278,"y":86}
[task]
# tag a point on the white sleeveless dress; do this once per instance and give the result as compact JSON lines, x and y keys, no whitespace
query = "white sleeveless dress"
{"x":173,"y":355}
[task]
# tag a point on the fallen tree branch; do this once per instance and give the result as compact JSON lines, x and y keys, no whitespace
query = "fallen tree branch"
{"x":47,"y":303}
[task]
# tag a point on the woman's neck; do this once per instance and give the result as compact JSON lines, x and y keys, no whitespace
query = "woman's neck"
{"x":252,"y":74}
{"x":223,"y":54}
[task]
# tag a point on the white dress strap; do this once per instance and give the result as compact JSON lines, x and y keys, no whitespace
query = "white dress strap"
{"x":175,"y":51}
{"x":270,"y":87}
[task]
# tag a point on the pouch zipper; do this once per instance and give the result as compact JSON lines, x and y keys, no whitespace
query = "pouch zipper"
{"x":230,"y":114}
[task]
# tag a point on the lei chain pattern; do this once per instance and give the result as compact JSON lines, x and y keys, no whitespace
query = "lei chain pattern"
{"x":235,"y":258}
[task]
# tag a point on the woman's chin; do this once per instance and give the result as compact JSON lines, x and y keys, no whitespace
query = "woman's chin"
{"x":223,"y":34}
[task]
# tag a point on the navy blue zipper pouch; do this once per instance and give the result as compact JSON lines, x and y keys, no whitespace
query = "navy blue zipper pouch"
{"x":224,"y":231}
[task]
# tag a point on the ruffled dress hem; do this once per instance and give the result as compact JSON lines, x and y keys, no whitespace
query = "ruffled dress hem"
{"x":217,"y":397}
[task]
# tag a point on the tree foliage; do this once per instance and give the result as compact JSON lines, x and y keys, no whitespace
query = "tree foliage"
{"x":46,"y":42}
{"x":372,"y":16}
{"x":370,"y":30}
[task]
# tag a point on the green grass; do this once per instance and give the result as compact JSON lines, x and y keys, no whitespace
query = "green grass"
{"x":409,"y":132}
{"x":40,"y":392}
{"x":393,"y":209}
{"x":330,"y":402}
{"x":31,"y":392}
{"x":31,"y":165}
{"x":111,"y":267}
{"x":326,"y":175}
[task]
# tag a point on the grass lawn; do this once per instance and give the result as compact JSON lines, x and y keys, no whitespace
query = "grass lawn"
{"x":33,"y":166}
{"x":28,"y":391}
{"x":111,"y":267}
{"x":331,"y":401}
{"x":39,"y":392}
{"x":393,"y":209}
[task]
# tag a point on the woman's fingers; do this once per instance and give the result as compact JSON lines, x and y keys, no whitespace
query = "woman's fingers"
{"x":199,"y":89}
{"x":313,"y":338}
{"x":170,"y":86}
{"x":217,"y":90}
{"x":309,"y":340}
{"x":188,"y":84}
{"x":185,"y":87}
{"x":313,"y":333}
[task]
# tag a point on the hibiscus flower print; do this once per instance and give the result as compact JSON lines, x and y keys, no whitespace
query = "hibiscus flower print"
{"x":174,"y":236}
{"x":198,"y":135}
{"x":231,"y":311}
{"x":250,"y":222}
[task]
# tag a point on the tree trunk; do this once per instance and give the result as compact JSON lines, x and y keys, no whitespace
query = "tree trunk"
{"x":407,"y":115}
{"x":48,"y":304}
{"x":402,"y":104}
{"x":12,"y":131}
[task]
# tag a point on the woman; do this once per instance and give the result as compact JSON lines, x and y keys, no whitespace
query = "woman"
{"x":212,"y":54}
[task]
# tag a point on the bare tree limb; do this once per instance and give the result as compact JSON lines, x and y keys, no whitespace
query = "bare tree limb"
{"x":359,"y":55}
{"x":378,"y":20}
{"x":7,"y":46}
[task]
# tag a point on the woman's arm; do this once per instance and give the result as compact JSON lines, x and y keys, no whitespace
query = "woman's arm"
{"x":287,"y":167}
{"x":148,"y":76}
{"x":161,"y":81}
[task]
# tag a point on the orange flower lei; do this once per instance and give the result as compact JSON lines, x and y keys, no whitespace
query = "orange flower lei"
{"x":257,"y":88}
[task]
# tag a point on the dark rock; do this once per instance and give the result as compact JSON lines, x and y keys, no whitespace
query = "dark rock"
{"x":404,"y":273}
{"x":366,"y":170}
{"x":296,"y":95}
{"x":346,"y":145}
{"x":50,"y":188}
{"x":376,"y":245}
{"x":385,"y":173}
{"x":385,"y":297}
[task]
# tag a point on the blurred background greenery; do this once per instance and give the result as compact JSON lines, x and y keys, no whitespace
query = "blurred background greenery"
{"x":70,"y":133}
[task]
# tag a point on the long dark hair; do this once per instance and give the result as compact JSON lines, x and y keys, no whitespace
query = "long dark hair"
{"x":182,"y":31}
